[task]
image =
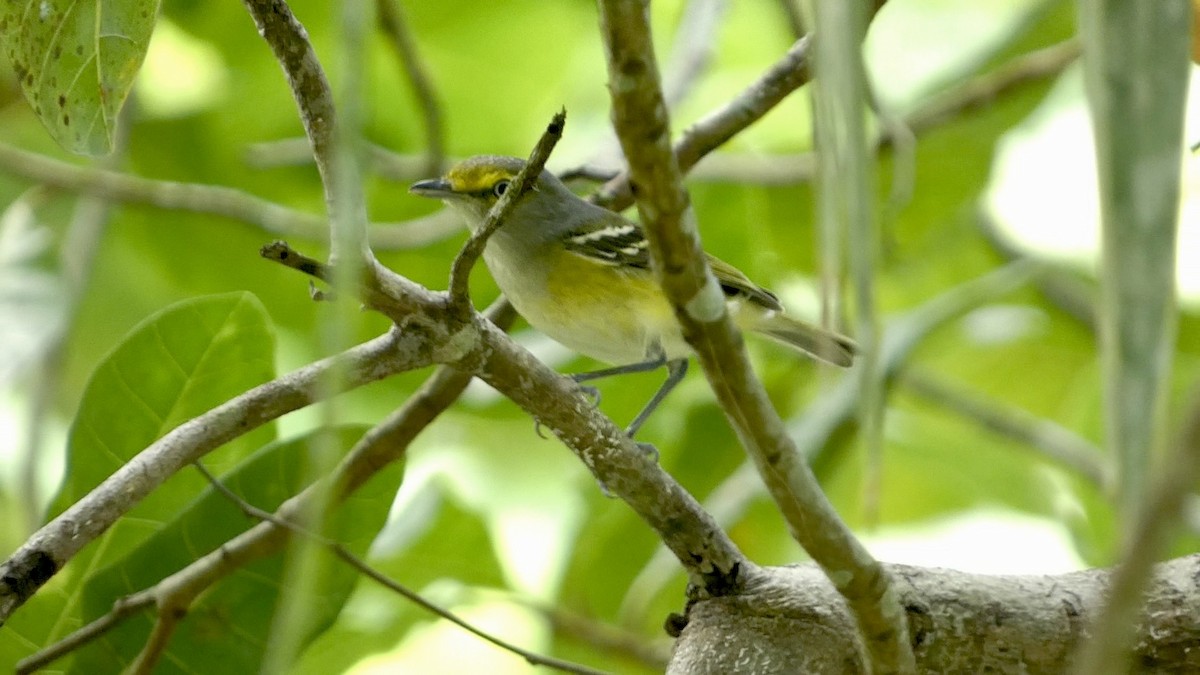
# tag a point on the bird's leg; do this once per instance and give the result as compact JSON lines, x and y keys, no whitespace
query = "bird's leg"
{"x":640,"y":367}
{"x":676,"y":369}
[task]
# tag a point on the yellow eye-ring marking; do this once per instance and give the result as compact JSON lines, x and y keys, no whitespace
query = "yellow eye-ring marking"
{"x":480,"y":174}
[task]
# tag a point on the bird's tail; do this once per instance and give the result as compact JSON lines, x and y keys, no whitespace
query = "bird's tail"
{"x":817,"y":342}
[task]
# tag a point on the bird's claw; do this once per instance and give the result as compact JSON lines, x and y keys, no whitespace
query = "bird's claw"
{"x":604,"y":490}
{"x":592,"y":393}
{"x":648,"y":450}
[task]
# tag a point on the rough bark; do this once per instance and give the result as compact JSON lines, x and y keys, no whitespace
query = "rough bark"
{"x":791,"y":620}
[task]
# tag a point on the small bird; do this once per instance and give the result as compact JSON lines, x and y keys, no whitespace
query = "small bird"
{"x":581,"y":274}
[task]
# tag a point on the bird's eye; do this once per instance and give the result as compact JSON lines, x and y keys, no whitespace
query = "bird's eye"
{"x":500,"y":188}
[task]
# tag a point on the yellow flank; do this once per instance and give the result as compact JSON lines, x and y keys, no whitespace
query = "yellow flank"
{"x":610,"y":319}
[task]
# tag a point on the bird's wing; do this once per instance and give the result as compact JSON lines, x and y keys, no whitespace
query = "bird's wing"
{"x":612,"y":241}
{"x":618,"y":242}
{"x":735,"y":283}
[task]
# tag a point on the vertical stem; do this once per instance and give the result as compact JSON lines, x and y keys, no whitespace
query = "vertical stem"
{"x":641,"y":120}
{"x":336,"y":144}
{"x":1136,"y":63}
{"x":847,"y":197}
{"x":1135,"y":59}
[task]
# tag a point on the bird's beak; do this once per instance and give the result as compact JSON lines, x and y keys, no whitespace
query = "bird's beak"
{"x":436,"y":188}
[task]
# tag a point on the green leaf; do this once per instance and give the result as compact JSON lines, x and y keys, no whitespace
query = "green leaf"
{"x":76,"y":62}
{"x":173,"y":366}
{"x":375,"y":616}
{"x":227,"y":629}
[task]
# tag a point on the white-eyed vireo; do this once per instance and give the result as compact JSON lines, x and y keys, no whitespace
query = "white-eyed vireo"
{"x":581,"y":274}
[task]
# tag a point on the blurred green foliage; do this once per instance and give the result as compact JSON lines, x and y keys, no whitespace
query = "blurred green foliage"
{"x":487,"y":504}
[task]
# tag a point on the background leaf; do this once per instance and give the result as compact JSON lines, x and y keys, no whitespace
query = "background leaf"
{"x":226,"y":630}
{"x":76,"y":61}
{"x":176,"y":364}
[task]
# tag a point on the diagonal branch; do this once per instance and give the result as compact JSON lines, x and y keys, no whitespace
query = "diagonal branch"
{"x":639,"y":115}
{"x":1055,"y":442}
{"x":710,"y":132}
{"x":51,"y":547}
{"x":813,"y":430}
{"x":361,"y":566}
{"x":384,"y":444}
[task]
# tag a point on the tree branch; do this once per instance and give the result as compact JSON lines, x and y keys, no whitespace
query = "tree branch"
{"x":122,"y":609}
{"x":640,"y":118}
{"x":814,"y":429}
{"x":781,"y":79}
{"x":216,"y":200}
{"x":314,"y":101}
{"x":51,"y":547}
{"x":703,"y":549}
{"x":793,"y":621}
{"x":1052,"y":441}
{"x":384,"y":444}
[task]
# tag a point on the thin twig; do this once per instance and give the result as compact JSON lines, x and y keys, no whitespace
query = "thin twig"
{"x":214,"y":199}
{"x":366,"y":570}
{"x":781,"y":79}
{"x":314,"y":101}
{"x":392,"y":23}
{"x":122,"y":609}
{"x":615,"y":640}
{"x":984,"y":89}
{"x":460,"y":270}
{"x":1051,"y":440}
{"x":282,"y":253}
{"x":396,"y":166}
